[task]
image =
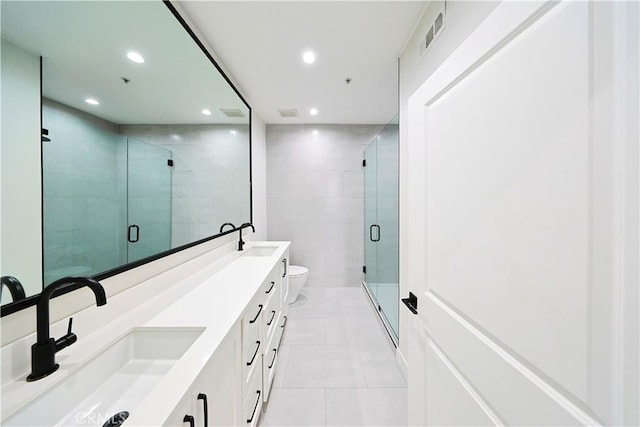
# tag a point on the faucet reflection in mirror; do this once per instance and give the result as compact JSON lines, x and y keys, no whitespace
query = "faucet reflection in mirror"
{"x":14,"y":286}
{"x":43,"y":352}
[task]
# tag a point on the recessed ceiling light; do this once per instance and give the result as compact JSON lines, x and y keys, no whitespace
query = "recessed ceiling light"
{"x":309,"y":57}
{"x":206,"y":112}
{"x":135,"y":57}
{"x":315,"y":131}
{"x":233,"y":132}
{"x":313,"y":111}
{"x":92,"y":101}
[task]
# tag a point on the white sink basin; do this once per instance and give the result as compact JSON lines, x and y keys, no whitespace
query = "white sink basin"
{"x":116,"y":380}
{"x":260,"y":251}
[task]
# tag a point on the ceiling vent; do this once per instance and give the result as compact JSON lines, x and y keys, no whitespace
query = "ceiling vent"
{"x":435,"y":29}
{"x":288,"y":112}
{"x":232,"y":112}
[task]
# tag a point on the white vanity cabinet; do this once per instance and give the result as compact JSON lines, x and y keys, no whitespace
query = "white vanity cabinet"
{"x":215,"y":397}
{"x":237,"y":380}
{"x":262,"y":329}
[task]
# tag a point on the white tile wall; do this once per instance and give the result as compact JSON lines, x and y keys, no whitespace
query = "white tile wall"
{"x":315,"y":197}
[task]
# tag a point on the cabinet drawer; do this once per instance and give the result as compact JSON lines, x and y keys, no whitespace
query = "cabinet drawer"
{"x":270,"y":317}
{"x":270,"y":359}
{"x":271,"y":287}
{"x":283,"y":277}
{"x":253,"y":316}
{"x":253,"y":398}
{"x":252,"y":348}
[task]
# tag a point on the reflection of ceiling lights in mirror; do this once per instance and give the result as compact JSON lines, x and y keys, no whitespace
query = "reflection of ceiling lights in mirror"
{"x":309,"y":57}
{"x":135,"y":57}
{"x":167,"y":88}
{"x":92,"y":101}
{"x":233,"y":132}
{"x":313,"y":111}
{"x":206,"y":112}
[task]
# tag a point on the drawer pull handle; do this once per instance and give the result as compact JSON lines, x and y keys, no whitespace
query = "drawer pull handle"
{"x":189,"y":419}
{"x":250,"y":420}
{"x":257,"y":314}
{"x":284,"y":274}
{"x":284,"y":322}
{"x":275,"y":352}
{"x":271,"y":288}
{"x":254,"y":354}
{"x":273,"y":315}
{"x":203,"y":397}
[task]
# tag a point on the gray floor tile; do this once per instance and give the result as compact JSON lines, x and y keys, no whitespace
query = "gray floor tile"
{"x":382,"y":372}
{"x":367,"y":407}
{"x":337,"y":365}
{"x":305,"y":331}
{"x":295,"y":407}
{"x":324,"y":366}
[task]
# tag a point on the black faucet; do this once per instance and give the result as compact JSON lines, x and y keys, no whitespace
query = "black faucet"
{"x":225,"y":224}
{"x":14,"y":286}
{"x":240,"y":241}
{"x":43,"y":361}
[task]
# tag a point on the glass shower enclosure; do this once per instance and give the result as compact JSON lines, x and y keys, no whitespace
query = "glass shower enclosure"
{"x":381,"y":232}
{"x":106,"y":196}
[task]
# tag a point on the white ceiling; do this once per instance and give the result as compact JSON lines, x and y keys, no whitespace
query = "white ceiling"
{"x":261,"y":44}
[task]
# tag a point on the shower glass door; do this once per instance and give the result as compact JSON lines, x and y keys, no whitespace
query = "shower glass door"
{"x":149,"y":199}
{"x":387,"y":215}
{"x":370,"y":219}
{"x":381,"y":224}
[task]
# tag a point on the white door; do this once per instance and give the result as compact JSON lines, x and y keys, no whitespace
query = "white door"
{"x":524,"y":222}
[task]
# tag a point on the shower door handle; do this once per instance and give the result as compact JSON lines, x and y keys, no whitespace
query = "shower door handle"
{"x":377,"y":239}
{"x":131,"y":228}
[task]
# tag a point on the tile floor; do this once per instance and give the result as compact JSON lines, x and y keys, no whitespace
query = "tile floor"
{"x":337,"y":366}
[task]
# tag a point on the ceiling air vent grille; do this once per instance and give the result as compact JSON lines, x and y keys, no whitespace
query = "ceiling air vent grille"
{"x":435,"y":29}
{"x":232,"y":112}
{"x":288,"y":112}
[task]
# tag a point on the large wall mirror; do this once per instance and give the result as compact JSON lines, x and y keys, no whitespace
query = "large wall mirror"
{"x":122,"y":141}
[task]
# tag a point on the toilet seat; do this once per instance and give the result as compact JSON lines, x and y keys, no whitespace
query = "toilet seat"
{"x":297,"y":270}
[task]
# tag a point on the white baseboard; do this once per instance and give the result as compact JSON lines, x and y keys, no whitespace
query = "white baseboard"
{"x":402,"y":364}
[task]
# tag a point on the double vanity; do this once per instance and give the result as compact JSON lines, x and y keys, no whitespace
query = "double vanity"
{"x":203,"y":357}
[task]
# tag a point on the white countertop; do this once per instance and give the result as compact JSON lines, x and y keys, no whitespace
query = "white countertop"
{"x":216,"y":303}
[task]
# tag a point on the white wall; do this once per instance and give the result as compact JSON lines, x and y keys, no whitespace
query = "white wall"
{"x":21,"y":234}
{"x":259,"y":176}
{"x":315,"y":190}
{"x":462,"y":18}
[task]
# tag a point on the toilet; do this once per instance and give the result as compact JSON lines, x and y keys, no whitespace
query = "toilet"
{"x":297,"y":278}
